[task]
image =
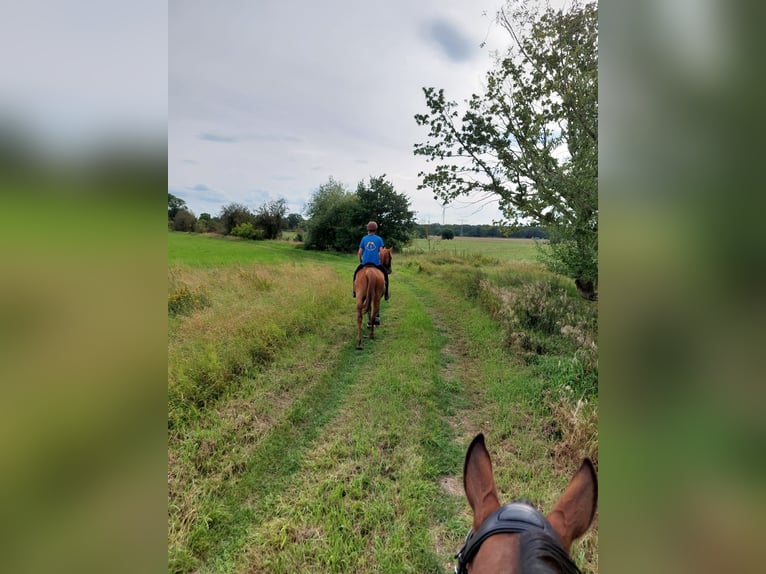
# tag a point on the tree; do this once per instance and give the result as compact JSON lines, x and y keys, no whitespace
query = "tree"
{"x":234,"y":214}
{"x":448,"y":234}
{"x":531,"y":139}
{"x":294,"y":221}
{"x":175,"y":204}
{"x":184,"y":220}
{"x":333,"y":215}
{"x":379,"y":202}
{"x":270,"y":217}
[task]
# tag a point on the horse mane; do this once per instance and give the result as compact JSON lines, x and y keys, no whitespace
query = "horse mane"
{"x":541,"y":554}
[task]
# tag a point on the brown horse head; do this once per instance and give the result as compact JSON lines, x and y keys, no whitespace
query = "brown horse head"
{"x":385,"y":259}
{"x":516,"y":538}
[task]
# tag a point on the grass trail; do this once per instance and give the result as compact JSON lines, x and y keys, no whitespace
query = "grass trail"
{"x":337,"y":460}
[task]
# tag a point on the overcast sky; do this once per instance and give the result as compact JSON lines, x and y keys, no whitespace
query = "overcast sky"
{"x":270,"y":98}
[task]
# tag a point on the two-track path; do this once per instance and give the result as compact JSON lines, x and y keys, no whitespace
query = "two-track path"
{"x":355,"y":464}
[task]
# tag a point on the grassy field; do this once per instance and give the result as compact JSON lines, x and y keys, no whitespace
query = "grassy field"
{"x":289,"y":450}
{"x":500,"y":248}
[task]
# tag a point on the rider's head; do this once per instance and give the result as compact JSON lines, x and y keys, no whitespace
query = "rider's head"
{"x":372,"y":226}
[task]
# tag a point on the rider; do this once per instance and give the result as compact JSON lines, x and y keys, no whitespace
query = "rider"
{"x":369,"y":252}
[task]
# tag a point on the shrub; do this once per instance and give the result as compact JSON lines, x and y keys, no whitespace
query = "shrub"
{"x":184,"y":221}
{"x":184,"y":300}
{"x":574,"y":424}
{"x":247,"y":231}
{"x":550,"y":327}
{"x":243,"y":230}
{"x":448,"y":234}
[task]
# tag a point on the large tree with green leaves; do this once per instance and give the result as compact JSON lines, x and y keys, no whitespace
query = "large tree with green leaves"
{"x":175,"y":204}
{"x":332,"y":218}
{"x":270,"y":217}
{"x":234,"y":214}
{"x":531,"y":138}
{"x":379,"y":202}
{"x":337,"y":217}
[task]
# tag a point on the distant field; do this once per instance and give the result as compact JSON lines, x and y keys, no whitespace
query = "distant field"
{"x":500,"y":248}
{"x":207,"y":251}
{"x":211,"y":251}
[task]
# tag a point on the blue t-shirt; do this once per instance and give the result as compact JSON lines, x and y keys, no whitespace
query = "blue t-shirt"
{"x":370,"y":245}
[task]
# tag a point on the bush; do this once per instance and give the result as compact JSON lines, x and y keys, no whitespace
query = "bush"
{"x":247,"y":231}
{"x":548,"y":326}
{"x":540,"y":307}
{"x":448,"y":234}
{"x":184,"y":221}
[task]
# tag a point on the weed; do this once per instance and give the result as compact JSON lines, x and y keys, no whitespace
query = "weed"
{"x":184,"y":300}
{"x":575,"y":420}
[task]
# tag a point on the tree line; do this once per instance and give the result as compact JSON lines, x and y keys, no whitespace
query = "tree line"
{"x":336,"y":217}
{"x":265,"y":222}
{"x":451,"y":230}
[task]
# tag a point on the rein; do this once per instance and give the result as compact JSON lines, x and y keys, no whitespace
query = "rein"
{"x":511,"y":518}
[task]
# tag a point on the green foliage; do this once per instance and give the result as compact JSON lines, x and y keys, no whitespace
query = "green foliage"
{"x":270,"y":218}
{"x":555,"y":329}
{"x":379,"y":202}
{"x":540,"y":100}
{"x":248,"y":231}
{"x":333,"y":219}
{"x":293,"y":221}
{"x":337,"y":217}
{"x":175,"y":204}
{"x":448,"y":234}
{"x":233,"y":215}
{"x":184,"y":220}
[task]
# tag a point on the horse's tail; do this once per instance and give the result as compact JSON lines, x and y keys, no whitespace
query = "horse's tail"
{"x":369,"y":297}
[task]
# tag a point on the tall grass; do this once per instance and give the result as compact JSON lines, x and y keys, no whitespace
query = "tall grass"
{"x":288,"y":450}
{"x":251,"y":315}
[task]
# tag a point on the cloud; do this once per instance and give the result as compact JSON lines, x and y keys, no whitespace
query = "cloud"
{"x":191,"y":161}
{"x":262,"y":113}
{"x":451,"y":41}
{"x":218,"y":138}
{"x":274,"y":138}
{"x":200,"y":197}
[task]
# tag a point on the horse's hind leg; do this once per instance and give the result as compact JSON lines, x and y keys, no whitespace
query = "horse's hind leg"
{"x":359,"y":328}
{"x":374,"y":311}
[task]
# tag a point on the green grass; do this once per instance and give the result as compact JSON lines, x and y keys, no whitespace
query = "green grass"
{"x":289,"y":450}
{"x":498,"y":248}
{"x":212,"y":251}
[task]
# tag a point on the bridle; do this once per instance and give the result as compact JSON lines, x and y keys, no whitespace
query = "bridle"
{"x":511,"y":518}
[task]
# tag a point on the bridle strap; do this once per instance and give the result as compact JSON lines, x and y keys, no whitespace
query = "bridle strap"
{"x":511,"y":518}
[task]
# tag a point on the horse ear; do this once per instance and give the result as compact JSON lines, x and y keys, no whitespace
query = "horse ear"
{"x":479,"y":481}
{"x":574,"y":511}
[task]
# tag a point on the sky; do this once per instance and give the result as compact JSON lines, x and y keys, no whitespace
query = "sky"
{"x":269,"y":99}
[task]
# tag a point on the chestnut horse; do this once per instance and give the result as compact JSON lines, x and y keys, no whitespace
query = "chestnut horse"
{"x":369,"y":286}
{"x":516,"y":538}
